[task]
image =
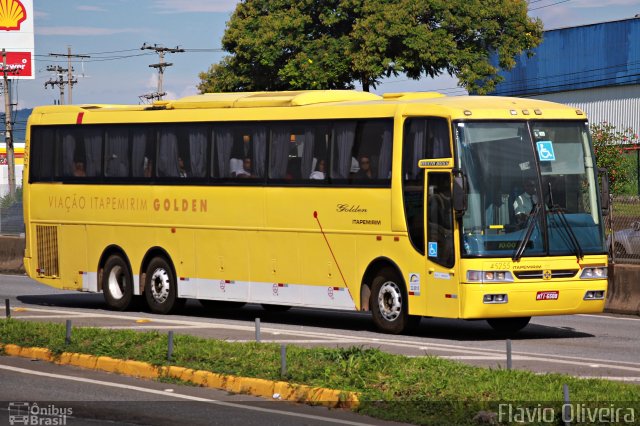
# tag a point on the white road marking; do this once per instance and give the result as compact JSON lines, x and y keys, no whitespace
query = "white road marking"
{"x":325,"y":341}
{"x":616,"y":378}
{"x":609,"y":317}
{"x":474,"y":357}
{"x":178,"y":395}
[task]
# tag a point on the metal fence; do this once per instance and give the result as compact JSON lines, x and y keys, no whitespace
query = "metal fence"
{"x":12,"y":220}
{"x":11,"y":217}
{"x":623,"y":229}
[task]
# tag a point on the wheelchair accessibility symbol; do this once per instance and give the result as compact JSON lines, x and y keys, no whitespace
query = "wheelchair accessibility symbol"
{"x":433,"y":249}
{"x":545,"y":151}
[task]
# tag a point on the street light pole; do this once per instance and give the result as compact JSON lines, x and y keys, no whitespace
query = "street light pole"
{"x":8,"y":134}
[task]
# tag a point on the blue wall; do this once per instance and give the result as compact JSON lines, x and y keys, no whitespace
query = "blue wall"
{"x":605,"y":54}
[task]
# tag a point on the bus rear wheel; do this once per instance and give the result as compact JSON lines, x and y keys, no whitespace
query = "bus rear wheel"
{"x":117,"y":283}
{"x":161,"y":288}
{"x":508,"y":325}
{"x":389,"y":302}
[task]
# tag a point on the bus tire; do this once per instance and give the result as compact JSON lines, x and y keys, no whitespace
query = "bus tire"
{"x":161,"y":287}
{"x":117,"y":283}
{"x":508,"y":325}
{"x":389,"y":302}
{"x":275,"y":308}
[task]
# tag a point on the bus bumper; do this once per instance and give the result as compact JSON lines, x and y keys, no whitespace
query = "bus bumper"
{"x":532,"y":299}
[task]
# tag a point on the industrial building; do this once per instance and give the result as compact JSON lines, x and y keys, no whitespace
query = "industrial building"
{"x":594,"y":67}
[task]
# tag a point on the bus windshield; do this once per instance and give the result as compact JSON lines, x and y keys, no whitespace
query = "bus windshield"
{"x":531,"y":189}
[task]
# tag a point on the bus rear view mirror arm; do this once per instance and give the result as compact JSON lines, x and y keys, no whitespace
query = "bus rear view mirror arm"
{"x":459,"y":192}
{"x":604,"y":190}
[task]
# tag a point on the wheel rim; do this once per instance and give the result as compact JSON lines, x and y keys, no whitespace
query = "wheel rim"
{"x":117,"y":282}
{"x":390,"y":301}
{"x":160,"y":284}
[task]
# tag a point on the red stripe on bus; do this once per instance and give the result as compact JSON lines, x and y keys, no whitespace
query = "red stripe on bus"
{"x":79,"y":119}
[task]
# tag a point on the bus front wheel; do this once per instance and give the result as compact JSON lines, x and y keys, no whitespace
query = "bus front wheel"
{"x":117,"y":283}
{"x":508,"y":325}
{"x":161,"y":289}
{"x":388,"y":302}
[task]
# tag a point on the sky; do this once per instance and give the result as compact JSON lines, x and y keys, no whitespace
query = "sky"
{"x":112,"y":33}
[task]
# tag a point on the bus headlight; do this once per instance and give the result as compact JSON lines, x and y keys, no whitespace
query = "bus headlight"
{"x":594,"y":273}
{"x":489,"y":276}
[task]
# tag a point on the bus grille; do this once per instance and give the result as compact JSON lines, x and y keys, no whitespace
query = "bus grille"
{"x":47,"y":240}
{"x":538,"y":275}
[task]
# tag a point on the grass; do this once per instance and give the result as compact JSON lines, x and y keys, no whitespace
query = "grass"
{"x":421,"y":390}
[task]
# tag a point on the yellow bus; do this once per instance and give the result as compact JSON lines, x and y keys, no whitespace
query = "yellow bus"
{"x":405,"y":205}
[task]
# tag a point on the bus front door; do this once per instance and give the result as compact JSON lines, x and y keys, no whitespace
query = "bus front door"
{"x":441,"y":282}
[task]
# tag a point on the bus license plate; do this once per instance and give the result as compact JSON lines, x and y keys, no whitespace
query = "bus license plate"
{"x":547,"y":295}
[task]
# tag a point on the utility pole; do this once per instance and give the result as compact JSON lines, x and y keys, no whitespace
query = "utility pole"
{"x":160,"y":66}
{"x":60,"y":81}
{"x":8,"y":134}
{"x":70,"y":78}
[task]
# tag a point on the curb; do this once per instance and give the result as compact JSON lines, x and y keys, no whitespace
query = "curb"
{"x":244,"y":385}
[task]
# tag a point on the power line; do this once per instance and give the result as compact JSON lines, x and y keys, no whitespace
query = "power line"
{"x":107,"y":58}
{"x":549,"y":5}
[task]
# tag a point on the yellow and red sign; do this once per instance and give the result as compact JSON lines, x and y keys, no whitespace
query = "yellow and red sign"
{"x":17,"y":36}
{"x":12,"y":14}
{"x":19,"y":64}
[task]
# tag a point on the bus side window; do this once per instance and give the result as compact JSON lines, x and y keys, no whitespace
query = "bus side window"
{"x":438,"y":141}
{"x":439,"y":220}
{"x":259,"y":152}
{"x":221,"y":166}
{"x":92,"y":152}
{"x":116,"y":153}
{"x":291,"y":152}
{"x":142,"y":153}
{"x":280,"y":146}
{"x":196,"y":158}
{"x":372,"y":151}
{"x":167,"y":164}
{"x":66,"y":149}
{"x":344,"y":133}
{"x":41,"y":152}
{"x":80,"y":153}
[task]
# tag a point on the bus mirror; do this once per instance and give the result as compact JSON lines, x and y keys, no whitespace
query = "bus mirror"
{"x":459,"y":192}
{"x":603,"y":174}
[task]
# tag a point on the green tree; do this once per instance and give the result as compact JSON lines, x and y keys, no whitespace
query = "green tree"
{"x":607,"y":147}
{"x":332,"y":44}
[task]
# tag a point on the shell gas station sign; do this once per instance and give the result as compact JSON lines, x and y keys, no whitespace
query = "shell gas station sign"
{"x":16,"y":37}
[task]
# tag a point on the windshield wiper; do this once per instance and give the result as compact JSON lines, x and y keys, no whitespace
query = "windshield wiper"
{"x":562,"y":219}
{"x":530,"y":225}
